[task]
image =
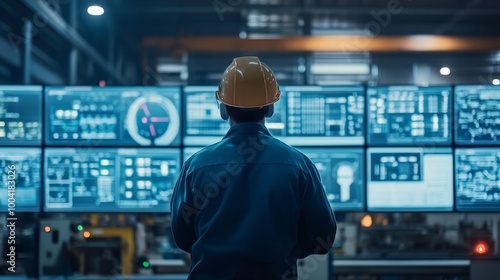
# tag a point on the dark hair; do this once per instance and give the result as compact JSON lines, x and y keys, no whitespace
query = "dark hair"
{"x":239,"y":115}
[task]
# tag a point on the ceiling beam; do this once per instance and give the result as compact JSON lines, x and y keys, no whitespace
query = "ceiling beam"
{"x":421,"y":43}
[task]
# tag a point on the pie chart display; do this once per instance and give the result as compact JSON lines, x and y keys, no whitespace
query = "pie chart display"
{"x":153,"y":120}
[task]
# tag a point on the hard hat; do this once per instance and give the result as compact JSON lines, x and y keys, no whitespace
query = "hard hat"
{"x":248,"y":83}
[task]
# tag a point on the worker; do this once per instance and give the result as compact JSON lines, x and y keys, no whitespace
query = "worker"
{"x":249,"y":206}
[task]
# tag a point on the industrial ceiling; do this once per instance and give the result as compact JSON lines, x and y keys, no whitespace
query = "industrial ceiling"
{"x":115,"y":48}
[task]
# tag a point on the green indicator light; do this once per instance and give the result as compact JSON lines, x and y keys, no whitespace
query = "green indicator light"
{"x":79,"y":227}
{"x":145,"y":263}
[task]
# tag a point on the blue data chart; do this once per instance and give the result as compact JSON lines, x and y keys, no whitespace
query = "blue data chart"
{"x":113,"y":116}
{"x":110,"y":180}
{"x":25,"y":173}
{"x":410,"y":179}
{"x":477,"y":179}
{"x":204,"y":125}
{"x":409,"y":115}
{"x":20,"y":115}
{"x":342,"y":174}
{"x":326,"y":115}
{"x":477,"y":115}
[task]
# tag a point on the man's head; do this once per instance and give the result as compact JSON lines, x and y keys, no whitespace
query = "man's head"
{"x":247,"y":91}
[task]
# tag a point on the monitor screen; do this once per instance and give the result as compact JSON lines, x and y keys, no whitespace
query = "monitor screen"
{"x":304,"y":116}
{"x":204,"y":125}
{"x":410,"y":179}
{"x":477,"y":115}
{"x":110,"y":180}
{"x":20,"y":115}
{"x":20,"y":179}
{"x":405,"y":115}
{"x":326,"y":115}
{"x":113,"y":116}
{"x":477,"y":179}
{"x":342,"y":174}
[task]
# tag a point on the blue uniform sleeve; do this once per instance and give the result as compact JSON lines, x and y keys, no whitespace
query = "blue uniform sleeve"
{"x":183,"y":213}
{"x":317,"y":226}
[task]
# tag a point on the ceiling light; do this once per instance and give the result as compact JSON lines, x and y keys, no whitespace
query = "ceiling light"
{"x":95,"y":10}
{"x":170,"y":68}
{"x":495,"y":82}
{"x":445,"y":71}
{"x":341,"y":69}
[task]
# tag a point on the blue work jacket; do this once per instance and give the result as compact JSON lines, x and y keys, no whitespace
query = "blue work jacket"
{"x":248,"y":207}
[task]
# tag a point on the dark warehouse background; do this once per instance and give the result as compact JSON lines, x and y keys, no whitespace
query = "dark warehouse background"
{"x":70,"y":47}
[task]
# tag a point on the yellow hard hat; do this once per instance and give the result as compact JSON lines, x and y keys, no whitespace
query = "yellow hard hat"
{"x":248,"y":83}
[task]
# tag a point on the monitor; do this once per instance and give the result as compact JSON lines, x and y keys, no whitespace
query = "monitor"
{"x":410,"y":179}
{"x":408,"y":115}
{"x":304,"y":116}
{"x":20,"y":115}
{"x":477,"y":115}
{"x":342,"y":174}
{"x":477,"y":179}
{"x":204,"y":125}
{"x":21,"y":179}
{"x":113,"y":116}
{"x":110,"y":180}
{"x":324,"y":115}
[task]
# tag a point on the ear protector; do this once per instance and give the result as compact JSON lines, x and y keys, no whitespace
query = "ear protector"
{"x":225,"y":116}
{"x":223,"y":111}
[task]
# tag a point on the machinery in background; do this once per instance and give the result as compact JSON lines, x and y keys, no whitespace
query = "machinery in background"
{"x":107,"y":251}
{"x":55,"y":242}
{"x":87,"y":246}
{"x":409,"y":236}
{"x":142,"y":244}
{"x":109,"y":244}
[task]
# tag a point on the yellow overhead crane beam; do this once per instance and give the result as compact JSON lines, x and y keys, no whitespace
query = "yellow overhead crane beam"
{"x":417,"y":43}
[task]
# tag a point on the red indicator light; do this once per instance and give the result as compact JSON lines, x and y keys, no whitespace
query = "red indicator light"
{"x":481,"y":248}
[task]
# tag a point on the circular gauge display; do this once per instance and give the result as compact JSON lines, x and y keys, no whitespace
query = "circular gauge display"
{"x":153,"y":120}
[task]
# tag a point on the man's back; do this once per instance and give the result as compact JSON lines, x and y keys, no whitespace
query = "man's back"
{"x":248,"y":207}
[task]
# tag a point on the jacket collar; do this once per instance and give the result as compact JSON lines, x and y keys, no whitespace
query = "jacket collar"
{"x":247,"y":128}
